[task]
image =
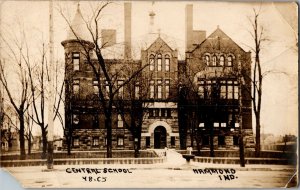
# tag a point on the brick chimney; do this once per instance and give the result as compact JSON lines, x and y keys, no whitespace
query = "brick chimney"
{"x":127,"y":30}
{"x":188,"y":27}
{"x":198,"y":36}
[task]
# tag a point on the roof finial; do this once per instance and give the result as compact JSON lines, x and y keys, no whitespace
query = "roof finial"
{"x":158,"y":32}
{"x":218,"y":26}
{"x":78,"y":5}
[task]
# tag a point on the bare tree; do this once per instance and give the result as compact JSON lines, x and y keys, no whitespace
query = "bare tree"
{"x":102,"y":70}
{"x":37,"y":77}
{"x":258,"y":35}
{"x":20,"y":100}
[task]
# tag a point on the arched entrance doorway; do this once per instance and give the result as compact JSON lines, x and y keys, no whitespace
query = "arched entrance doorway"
{"x":160,"y":137}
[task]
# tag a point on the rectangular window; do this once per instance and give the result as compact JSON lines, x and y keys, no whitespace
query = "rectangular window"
{"x":75,"y":59}
{"x":152,"y":89}
{"x":151,"y":62}
{"x":163,"y":112}
{"x":120,"y":87}
{"x":208,"y":88}
{"x":120,"y":141}
{"x":223,"y":124}
{"x":172,"y":141}
{"x":168,"y":112}
{"x":223,"y":90}
{"x":236,"y":90}
{"x":167,"y":86}
{"x":148,"y":142}
{"x":76,"y":142}
{"x":216,"y":124}
{"x":137,"y":91}
{"x":151,"y":114}
{"x":201,"y":91}
{"x":229,"y":90}
{"x":95,"y":86}
{"x":156,"y":112}
{"x":167,"y":64}
{"x":96,"y":141}
{"x":120,"y":121}
{"x":107,"y":89}
{"x":159,"y":89}
{"x":159,"y":66}
{"x":159,"y":92}
{"x":76,"y":86}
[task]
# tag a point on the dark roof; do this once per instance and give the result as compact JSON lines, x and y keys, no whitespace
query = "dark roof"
{"x":218,"y":34}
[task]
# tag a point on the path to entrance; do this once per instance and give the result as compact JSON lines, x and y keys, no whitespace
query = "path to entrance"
{"x":173,"y":158}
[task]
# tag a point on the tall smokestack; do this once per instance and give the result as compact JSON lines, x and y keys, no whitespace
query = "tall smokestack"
{"x":188,"y":27}
{"x":127,"y":32}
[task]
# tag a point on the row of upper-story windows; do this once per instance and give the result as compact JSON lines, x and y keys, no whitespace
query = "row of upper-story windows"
{"x":120,"y":87}
{"x":157,"y":62}
{"x":224,"y":89}
{"x":221,"y":61}
{"x":160,"y":113}
{"x":156,"y":90}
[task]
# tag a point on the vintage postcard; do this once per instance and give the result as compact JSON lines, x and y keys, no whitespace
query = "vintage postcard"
{"x":148,"y":94}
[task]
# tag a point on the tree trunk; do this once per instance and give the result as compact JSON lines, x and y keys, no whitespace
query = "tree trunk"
{"x":211,"y":140}
{"x":257,"y":144}
{"x":45,"y":142}
{"x":21,"y":137}
{"x":108,"y":124}
{"x":69,"y":142}
{"x":29,"y":145}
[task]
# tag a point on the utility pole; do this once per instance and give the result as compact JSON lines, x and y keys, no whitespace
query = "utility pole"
{"x":241,"y":140}
{"x":51,"y":89}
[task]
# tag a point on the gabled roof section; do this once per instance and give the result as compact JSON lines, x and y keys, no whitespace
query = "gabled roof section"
{"x":160,"y":41}
{"x":78,"y":27}
{"x":218,"y":36}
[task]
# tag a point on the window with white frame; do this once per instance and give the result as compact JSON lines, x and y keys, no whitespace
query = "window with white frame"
{"x":137,"y":90}
{"x":207,"y":59}
{"x":167,"y":62}
{"x":223,"y":90}
{"x":229,"y":90}
{"x":76,"y":60}
{"x":120,"y":121}
{"x":120,"y":87}
{"x":107,"y":89}
{"x":151,"y":62}
{"x":222,"y":60}
{"x":167,"y":88}
{"x":120,"y":141}
{"x":95,"y":86}
{"x":95,"y":141}
{"x":159,"y":89}
{"x":152,"y":89}
{"x":76,"y":141}
{"x":159,"y":62}
{"x":236,"y":90}
{"x":214,"y":61}
{"x":76,"y":86}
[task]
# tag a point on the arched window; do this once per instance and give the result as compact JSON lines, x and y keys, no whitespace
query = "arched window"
{"x":167,"y":62}
{"x":207,"y":59}
{"x":151,"y":62}
{"x":229,"y":61}
{"x":159,"y":64}
{"x":214,"y":60}
{"x":222,"y":60}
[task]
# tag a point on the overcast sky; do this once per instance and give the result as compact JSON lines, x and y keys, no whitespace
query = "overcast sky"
{"x":279,"y":111}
